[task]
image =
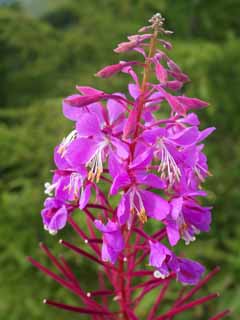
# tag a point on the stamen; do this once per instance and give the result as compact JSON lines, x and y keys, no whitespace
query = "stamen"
{"x":141,"y":212}
{"x":49,"y":188}
{"x":158,"y":275}
{"x":186,"y":231}
{"x":168,"y":167}
{"x":75,"y":184}
{"x":96,"y":165}
{"x":66,"y":142}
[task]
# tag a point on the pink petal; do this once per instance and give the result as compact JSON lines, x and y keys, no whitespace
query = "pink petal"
{"x":88,"y":125}
{"x":155,"y":206}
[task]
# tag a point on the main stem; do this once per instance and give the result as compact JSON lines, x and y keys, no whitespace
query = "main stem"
{"x":146,"y":75}
{"x":140,"y":106}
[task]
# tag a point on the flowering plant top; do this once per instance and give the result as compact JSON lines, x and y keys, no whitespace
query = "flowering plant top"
{"x":155,"y":166}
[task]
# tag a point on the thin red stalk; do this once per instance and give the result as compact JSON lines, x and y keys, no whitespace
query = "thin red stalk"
{"x":102,"y":285}
{"x":141,"y":233}
{"x":141,"y":273}
{"x":76,"y":290}
{"x":78,"y":230}
{"x":54,"y":260}
{"x":76,"y":309}
{"x":142,"y":257}
{"x":105,"y":179}
{"x":80,"y":251}
{"x":58,"y":279}
{"x":187,"y":306}
{"x":89,"y":214}
{"x":198,"y":286}
{"x":92,"y":233}
{"x":93,"y":240}
{"x":160,"y":234}
{"x":142,"y":294}
{"x":97,"y":206}
{"x":152,"y":281}
{"x":221,"y":315}
{"x":121,"y":288}
{"x":131,"y":315}
{"x":158,"y":300}
{"x":69,"y":271}
{"x":180,"y":295}
{"x":101,"y":293}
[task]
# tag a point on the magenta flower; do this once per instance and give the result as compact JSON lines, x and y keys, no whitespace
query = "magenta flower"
{"x":165,"y":262}
{"x":113,"y":242}
{"x":186,"y":220}
{"x":54,"y":215}
{"x":122,"y":166}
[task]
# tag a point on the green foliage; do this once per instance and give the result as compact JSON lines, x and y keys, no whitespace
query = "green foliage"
{"x":41,"y":60}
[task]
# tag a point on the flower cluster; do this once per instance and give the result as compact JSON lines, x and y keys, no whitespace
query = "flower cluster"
{"x":131,"y":158}
{"x":157,"y":166}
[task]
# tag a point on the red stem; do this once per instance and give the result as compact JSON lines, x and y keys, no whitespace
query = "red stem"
{"x":158,"y":301}
{"x":187,"y":306}
{"x":221,"y":315}
{"x":198,"y":286}
{"x":76,"y":309}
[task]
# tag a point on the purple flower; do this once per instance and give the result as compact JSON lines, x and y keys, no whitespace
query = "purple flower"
{"x":187,"y":271}
{"x":159,"y":258}
{"x":54,"y":215}
{"x":137,"y":200}
{"x":95,"y":137}
{"x":187,"y":218}
{"x":113,"y":243}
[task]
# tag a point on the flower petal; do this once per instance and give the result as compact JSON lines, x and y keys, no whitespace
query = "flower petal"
{"x":123,"y":211}
{"x":88,"y":125}
{"x":155,"y":206}
{"x":80,"y":151}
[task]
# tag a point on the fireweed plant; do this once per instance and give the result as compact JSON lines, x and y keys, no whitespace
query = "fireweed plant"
{"x":152,"y":168}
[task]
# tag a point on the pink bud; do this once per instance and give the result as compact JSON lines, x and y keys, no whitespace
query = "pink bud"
{"x":173,"y":66}
{"x":167,"y":45}
{"x":179,"y":76}
{"x":114,"y":68}
{"x":192,"y":103}
{"x":174,"y":85}
{"x":161,"y":73}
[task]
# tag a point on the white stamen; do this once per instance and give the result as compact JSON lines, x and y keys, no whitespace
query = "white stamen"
{"x":168,"y":167}
{"x":52,"y":232}
{"x":184,"y":229}
{"x":141,"y":212}
{"x":158,"y":275}
{"x":49,"y":188}
{"x":75,"y":184}
{"x":96,"y":163}
{"x":66,"y":142}
{"x":88,"y":294}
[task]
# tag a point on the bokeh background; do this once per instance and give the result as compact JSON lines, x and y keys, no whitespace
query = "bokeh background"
{"x":49,"y":46}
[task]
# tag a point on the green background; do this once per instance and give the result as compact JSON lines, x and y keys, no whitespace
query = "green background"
{"x":46,"y":48}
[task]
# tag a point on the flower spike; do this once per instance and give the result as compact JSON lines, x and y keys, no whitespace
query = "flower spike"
{"x":122,"y":168}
